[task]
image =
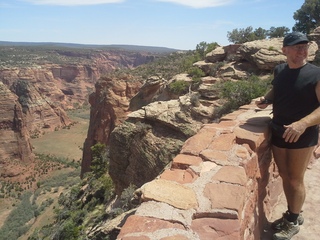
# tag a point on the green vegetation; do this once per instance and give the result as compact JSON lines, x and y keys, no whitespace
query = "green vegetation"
{"x":99,"y":162}
{"x":179,"y":87}
{"x":243,"y":35}
{"x":83,"y":206}
{"x":241,"y":92}
{"x":169,"y":65}
{"x":34,"y":55}
{"x":17,"y":223}
{"x":307,"y":17}
{"x":203,"y":48}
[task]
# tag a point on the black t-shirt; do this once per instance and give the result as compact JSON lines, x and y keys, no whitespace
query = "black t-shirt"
{"x":294,"y":92}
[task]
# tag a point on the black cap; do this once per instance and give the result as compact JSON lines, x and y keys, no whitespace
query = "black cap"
{"x":295,"y":38}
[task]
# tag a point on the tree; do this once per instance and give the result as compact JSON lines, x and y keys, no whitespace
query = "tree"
{"x":245,"y":35}
{"x":241,"y":35}
{"x":276,"y":32}
{"x":307,"y":17}
{"x":260,"y":33}
{"x":203,"y":48}
{"x":99,"y":163}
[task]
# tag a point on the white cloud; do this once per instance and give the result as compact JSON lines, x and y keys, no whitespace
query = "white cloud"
{"x":72,"y":2}
{"x":199,"y":3}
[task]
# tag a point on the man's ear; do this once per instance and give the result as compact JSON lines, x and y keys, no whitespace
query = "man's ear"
{"x":284,"y":50}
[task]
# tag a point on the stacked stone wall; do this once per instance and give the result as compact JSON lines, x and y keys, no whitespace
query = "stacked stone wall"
{"x":222,"y":185}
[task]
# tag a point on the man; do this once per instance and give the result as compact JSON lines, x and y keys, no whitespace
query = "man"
{"x":295,"y":96}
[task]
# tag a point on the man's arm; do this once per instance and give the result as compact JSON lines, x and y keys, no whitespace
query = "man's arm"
{"x":314,"y":117}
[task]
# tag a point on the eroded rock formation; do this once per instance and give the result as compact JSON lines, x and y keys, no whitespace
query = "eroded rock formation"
{"x":14,"y":135}
{"x":42,"y":90}
{"x":109,"y":107}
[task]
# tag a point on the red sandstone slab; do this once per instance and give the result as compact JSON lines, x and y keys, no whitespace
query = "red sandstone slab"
{"x":224,"y":142}
{"x":215,"y":156}
{"x":139,"y":224}
{"x":183,"y":161}
{"x":198,"y":142}
{"x":179,"y":175}
{"x":223,"y":126}
{"x":246,"y":135}
{"x":231,"y":174}
{"x":233,"y":116}
{"x":223,"y":195}
{"x":217,"y":229}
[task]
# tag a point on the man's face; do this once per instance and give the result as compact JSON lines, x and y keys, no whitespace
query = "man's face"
{"x":296,"y":54}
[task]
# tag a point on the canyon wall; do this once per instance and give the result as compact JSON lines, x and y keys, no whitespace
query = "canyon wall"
{"x":14,"y":135}
{"x":42,"y":84}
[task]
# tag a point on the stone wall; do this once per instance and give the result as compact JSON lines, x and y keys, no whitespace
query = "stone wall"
{"x":222,"y":185}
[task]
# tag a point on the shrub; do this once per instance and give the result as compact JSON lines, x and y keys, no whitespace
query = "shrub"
{"x":242,"y":92}
{"x":179,"y":87}
{"x":99,"y":163}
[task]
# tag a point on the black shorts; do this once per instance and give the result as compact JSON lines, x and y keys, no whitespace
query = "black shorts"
{"x":308,"y":139}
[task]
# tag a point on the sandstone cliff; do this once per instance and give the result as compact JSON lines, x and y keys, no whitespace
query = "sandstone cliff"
{"x":109,"y":107}
{"x":45,"y":82}
{"x":14,"y":135}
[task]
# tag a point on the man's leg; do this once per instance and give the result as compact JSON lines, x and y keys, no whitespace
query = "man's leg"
{"x":297,"y":163}
{"x":292,"y":164}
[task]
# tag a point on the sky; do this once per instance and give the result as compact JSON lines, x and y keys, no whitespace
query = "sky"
{"x":178,"y":24}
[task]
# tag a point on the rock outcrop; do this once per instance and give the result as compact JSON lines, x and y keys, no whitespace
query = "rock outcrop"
{"x":14,"y":135}
{"x":241,"y":60}
{"x":141,"y":147}
{"x":109,"y":107}
{"x":41,"y":113}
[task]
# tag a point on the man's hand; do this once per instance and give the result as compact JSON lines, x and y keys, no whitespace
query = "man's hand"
{"x":294,"y":131}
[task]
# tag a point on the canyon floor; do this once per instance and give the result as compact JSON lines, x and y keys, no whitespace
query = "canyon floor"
{"x":65,"y":143}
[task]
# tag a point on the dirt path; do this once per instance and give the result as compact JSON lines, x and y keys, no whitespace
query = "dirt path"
{"x":310,"y":230}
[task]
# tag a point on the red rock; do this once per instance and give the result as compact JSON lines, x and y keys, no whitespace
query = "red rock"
{"x":178,"y":175}
{"x":198,"y":142}
{"x":183,"y":161}
{"x":251,"y":134}
{"x":225,"y":196}
{"x":218,"y":157}
{"x":224,"y":142}
{"x":139,"y":224}
{"x":217,"y":229}
{"x":231,"y":174}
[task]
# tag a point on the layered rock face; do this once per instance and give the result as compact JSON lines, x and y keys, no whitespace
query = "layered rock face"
{"x":43,"y":90}
{"x":109,"y":107}
{"x":141,"y":147}
{"x":40,"y":112}
{"x":65,"y":86}
{"x":14,"y":135}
